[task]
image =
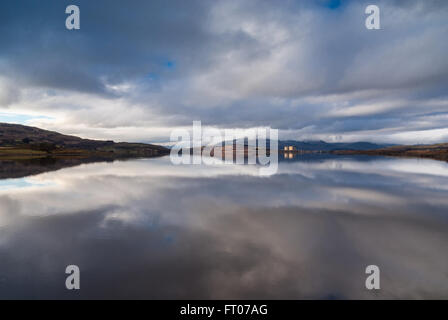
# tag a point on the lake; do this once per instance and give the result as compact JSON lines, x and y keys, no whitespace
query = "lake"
{"x":148,"y":229}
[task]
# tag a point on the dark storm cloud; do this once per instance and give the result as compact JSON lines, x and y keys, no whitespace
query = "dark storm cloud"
{"x":289,"y":64}
{"x":117,"y":41}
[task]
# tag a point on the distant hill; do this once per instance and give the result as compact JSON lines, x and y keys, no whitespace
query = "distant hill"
{"x":323,"y":146}
{"x":23,"y":140}
{"x":309,"y":146}
{"x":433,"y":151}
{"x":327,"y":146}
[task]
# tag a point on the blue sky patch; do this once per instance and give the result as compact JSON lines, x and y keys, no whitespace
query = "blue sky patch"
{"x":332,"y":4}
{"x":19,"y":118}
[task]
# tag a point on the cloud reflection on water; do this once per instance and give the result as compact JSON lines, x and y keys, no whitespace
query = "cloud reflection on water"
{"x":147,"y":229}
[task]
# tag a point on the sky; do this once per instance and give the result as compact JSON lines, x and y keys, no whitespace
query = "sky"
{"x":136,"y":70}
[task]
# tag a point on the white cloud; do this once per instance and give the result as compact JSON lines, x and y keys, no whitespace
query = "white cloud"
{"x":310,"y":71}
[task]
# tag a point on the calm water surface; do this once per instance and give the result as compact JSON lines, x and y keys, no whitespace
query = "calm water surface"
{"x":148,"y":229}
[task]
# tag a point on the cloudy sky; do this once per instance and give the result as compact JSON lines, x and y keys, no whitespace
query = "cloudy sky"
{"x":136,"y":70}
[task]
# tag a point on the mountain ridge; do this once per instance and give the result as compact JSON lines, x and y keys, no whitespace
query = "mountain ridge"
{"x":320,"y":145}
{"x":17,"y":139}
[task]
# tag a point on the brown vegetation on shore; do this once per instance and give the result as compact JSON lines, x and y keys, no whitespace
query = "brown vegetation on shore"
{"x":18,"y":142}
{"x":434,"y":151}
